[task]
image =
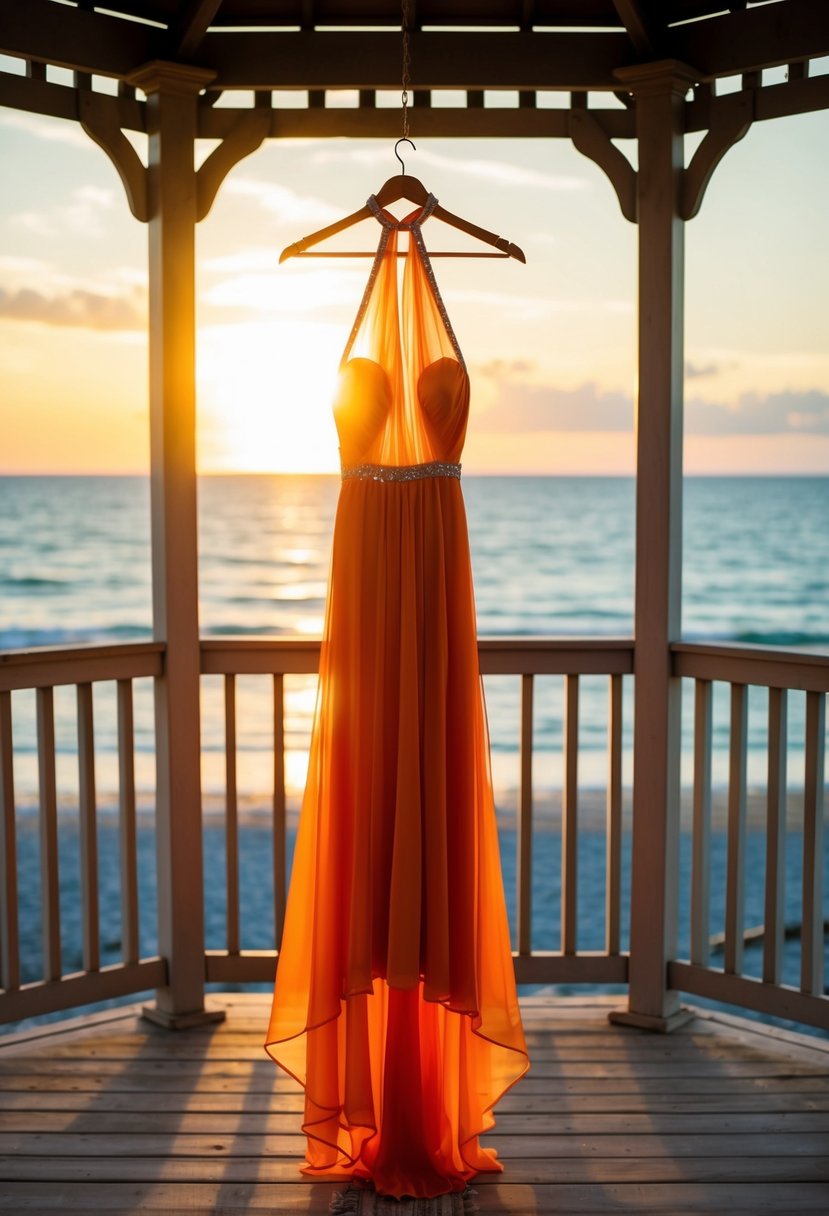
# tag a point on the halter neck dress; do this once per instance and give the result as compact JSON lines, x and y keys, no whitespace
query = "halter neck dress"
{"x":395,"y":1002}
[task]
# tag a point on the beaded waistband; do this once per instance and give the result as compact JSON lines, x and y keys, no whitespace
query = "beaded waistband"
{"x":401,"y":472}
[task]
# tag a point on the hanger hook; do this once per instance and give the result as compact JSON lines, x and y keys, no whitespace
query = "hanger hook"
{"x":403,"y":140}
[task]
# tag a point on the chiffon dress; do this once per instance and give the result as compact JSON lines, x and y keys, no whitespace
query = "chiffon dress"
{"x":395,"y":1002}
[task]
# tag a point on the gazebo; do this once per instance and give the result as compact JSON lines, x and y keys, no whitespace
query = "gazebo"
{"x":172,"y":60}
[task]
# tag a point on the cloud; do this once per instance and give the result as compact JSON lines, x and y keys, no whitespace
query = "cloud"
{"x":77,"y":308}
{"x":281,"y":201}
{"x":522,"y":406}
{"x":522,"y":403}
{"x":696,"y":371}
{"x":81,"y":214}
{"x":805,"y":413}
{"x":55,"y":130}
{"x":534,"y":308}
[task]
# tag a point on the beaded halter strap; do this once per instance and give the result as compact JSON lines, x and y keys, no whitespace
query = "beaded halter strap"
{"x":389,"y":225}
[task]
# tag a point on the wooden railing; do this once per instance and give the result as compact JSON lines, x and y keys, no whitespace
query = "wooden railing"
{"x":781,"y":672}
{"x":527,"y":663}
{"x":524,"y":660}
{"x":44,"y":670}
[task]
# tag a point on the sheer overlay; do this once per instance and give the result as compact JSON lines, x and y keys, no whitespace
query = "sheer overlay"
{"x":395,"y":1002}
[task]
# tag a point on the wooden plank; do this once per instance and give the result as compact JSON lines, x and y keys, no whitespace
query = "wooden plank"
{"x":280,"y":878}
{"x":498,"y":656}
{"x":127,"y":839}
{"x":50,"y":666}
{"x":775,"y":999}
{"x":48,"y":826}
{"x":230,"y":1144}
{"x":516,"y":1102}
{"x":71,"y":991}
{"x":542,"y":1050}
{"x":569,"y":818}
{"x":735,"y":865}
{"x":104,"y":1125}
{"x":775,"y":877}
{"x":524,"y":827}
{"x":496,"y":1195}
{"x":468,"y":60}
{"x":811,"y":942}
{"x":761,"y":665}
{"x":543,"y":967}
{"x":751,"y":40}
{"x":102,"y":1170}
{"x":231,"y":819}
{"x":613,"y":858}
{"x":88,"y":830}
{"x":701,"y":830}
{"x":173,"y":1073}
{"x":9,"y":938}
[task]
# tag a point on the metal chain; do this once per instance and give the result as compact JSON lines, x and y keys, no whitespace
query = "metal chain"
{"x":407,"y":63}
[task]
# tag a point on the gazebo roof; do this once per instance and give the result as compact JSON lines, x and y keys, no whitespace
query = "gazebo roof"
{"x":518,"y":44}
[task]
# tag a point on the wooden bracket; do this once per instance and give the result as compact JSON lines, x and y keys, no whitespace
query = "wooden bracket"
{"x":732,"y":118}
{"x":101,"y":125}
{"x":591,"y":139}
{"x":245,"y":136}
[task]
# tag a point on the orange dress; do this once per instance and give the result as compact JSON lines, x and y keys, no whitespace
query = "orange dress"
{"x":395,"y":1002}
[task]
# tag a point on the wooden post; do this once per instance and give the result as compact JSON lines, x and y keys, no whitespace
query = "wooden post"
{"x":172,"y":96}
{"x":659,"y":89}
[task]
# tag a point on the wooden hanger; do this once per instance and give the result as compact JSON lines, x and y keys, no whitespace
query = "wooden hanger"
{"x":397,"y":187}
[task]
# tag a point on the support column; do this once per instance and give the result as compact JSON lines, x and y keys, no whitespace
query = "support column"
{"x":172,"y":96}
{"x":660,"y":89}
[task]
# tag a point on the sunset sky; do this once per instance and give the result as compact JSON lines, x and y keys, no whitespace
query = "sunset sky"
{"x":550,"y":345}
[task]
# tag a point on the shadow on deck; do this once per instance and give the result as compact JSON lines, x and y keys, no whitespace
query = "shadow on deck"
{"x":112,"y":1114}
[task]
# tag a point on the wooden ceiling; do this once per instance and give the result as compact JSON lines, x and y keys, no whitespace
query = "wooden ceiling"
{"x":355,"y":44}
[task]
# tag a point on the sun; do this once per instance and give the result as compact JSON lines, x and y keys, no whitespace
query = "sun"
{"x":265,"y":394}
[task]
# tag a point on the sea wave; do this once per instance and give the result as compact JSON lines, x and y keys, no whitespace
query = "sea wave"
{"x":20,"y":638}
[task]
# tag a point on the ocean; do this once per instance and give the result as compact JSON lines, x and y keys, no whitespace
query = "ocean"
{"x":551,"y":557}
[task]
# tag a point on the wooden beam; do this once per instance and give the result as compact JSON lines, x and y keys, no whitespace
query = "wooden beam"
{"x":95,"y":42}
{"x":640,"y":27}
{"x":728,"y":128}
{"x":190,"y":26}
{"x":371,"y":60}
{"x":760,"y":37}
{"x":76,"y":39}
{"x":101,"y":125}
{"x":172,"y":96}
{"x":660,"y":90}
{"x":590,"y":138}
{"x":246,"y":135}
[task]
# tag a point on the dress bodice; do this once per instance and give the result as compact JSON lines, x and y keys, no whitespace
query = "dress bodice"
{"x":403,"y":393}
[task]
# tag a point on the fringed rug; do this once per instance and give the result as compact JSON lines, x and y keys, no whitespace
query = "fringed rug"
{"x":362,"y":1200}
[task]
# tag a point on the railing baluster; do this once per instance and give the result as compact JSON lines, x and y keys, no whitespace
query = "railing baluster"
{"x":126,"y":824}
{"x":231,"y":818}
{"x":613,"y":857}
{"x":279,"y":827}
{"x":701,"y":854}
{"x":775,"y":838}
{"x":88,"y":830}
{"x":569,"y":819}
{"x":9,"y":939}
{"x":734,"y":902}
{"x":49,"y":878}
{"x":524,"y":866}
{"x":811,"y":941}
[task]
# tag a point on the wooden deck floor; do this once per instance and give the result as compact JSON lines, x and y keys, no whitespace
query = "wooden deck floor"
{"x":115,"y":1115}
